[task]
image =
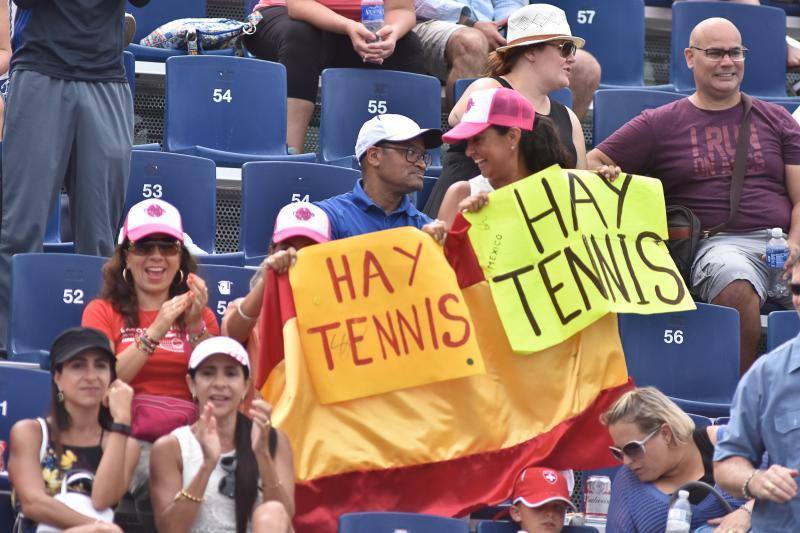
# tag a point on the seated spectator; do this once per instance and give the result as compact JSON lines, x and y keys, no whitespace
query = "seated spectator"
{"x":307,"y":36}
{"x":764,"y":419}
{"x":540,"y":500}
{"x":536,"y":61}
{"x":298,"y":225}
{"x":391,"y":151}
{"x":213,"y":475}
{"x":88,"y":429}
{"x":690,"y":146}
{"x":661,"y":450}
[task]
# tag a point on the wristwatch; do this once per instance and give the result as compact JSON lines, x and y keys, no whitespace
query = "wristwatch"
{"x":125,"y":429}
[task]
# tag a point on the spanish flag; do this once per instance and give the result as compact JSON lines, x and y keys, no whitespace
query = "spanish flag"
{"x":447,"y":447}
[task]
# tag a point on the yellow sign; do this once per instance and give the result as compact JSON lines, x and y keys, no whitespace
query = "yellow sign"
{"x":562,"y":248}
{"x":381,"y":312}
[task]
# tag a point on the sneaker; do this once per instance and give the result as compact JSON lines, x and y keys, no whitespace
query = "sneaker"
{"x":130,"y":29}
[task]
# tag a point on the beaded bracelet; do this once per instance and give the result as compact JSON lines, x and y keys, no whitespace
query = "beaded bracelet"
{"x":193,"y":338}
{"x":746,"y":485}
{"x":145,"y":344}
{"x":188,"y":496}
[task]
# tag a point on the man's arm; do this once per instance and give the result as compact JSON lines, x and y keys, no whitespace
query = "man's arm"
{"x":595,"y":158}
{"x":792,"y":176}
{"x":444,"y":10}
{"x":776,"y":484}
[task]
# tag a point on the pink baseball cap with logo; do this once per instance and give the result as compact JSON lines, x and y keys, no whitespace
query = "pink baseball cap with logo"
{"x":536,"y":486}
{"x":492,"y":107}
{"x":302,"y":219}
{"x":152,"y":216}
{"x":219,"y":345}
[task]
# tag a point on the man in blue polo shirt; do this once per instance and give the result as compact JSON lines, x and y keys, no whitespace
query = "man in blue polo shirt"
{"x":765,"y":417}
{"x":392,"y":152}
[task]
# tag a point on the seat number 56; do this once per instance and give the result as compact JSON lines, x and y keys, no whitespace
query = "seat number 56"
{"x":673,"y":336}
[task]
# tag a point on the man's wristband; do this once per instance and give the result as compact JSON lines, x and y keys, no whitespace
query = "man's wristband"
{"x":746,"y":485}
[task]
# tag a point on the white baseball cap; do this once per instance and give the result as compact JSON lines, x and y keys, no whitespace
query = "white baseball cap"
{"x":539,"y":23}
{"x":391,"y":127}
{"x":152,"y":216}
{"x":302,"y":219}
{"x":219,"y":345}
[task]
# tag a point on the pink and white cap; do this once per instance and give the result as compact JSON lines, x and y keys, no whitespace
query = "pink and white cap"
{"x":492,"y":107}
{"x":152,"y":216}
{"x":219,"y":345}
{"x":302,"y":219}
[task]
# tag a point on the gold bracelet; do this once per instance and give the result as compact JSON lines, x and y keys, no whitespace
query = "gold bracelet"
{"x":188,"y":496}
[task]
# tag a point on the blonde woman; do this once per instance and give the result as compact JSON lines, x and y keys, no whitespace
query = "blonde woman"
{"x":661,"y":450}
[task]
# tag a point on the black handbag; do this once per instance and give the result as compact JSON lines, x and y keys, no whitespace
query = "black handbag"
{"x":683,"y":226}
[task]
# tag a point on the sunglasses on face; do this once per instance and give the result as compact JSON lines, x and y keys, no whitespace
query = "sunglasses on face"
{"x":167,"y":248}
{"x":634,"y":449}
{"x":227,"y":485}
{"x":566,"y":49}
{"x":795,"y":288}
{"x":716,"y":54}
{"x":412,"y":154}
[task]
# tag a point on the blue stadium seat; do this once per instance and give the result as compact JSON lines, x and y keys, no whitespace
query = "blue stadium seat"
{"x":701,"y":421}
{"x":563,"y":96}
{"x":267,"y":187}
{"x":229,"y":109}
{"x":393,"y":522}
{"x":48,"y":295}
{"x":621,"y":57}
{"x":791,"y":8}
{"x":420,"y":197}
{"x":225,"y":284}
{"x":365,"y":93}
{"x":129,"y":61}
{"x":691,"y":356}
{"x":615,"y":107}
{"x":763,"y":29}
{"x":781,"y":327}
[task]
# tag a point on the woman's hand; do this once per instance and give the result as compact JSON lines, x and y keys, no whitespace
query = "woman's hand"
{"x":261,"y":412}
{"x":735,"y":522}
{"x":205,"y":431}
{"x":436,"y":229}
{"x":385,"y":46}
{"x":168,"y":314}
{"x":473,"y":204}
{"x":361,"y":38}
{"x":280,"y":261}
{"x":118,"y":399}
{"x":608,"y":172}
{"x":197,"y":301}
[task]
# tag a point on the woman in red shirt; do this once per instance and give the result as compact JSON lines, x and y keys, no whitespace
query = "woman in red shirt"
{"x":309,"y":35}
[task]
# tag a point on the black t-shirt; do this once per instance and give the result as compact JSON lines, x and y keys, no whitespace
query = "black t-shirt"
{"x":77,"y":40}
{"x":703,"y":443}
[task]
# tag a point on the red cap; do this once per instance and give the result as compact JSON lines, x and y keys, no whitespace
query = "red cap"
{"x":492,"y":107}
{"x":536,"y":486}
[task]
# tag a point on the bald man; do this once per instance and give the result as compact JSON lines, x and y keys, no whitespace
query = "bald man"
{"x":690,"y":145}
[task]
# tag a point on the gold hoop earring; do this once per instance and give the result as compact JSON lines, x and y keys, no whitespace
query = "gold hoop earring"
{"x":125,"y":275}
{"x":180,"y":280}
{"x":60,"y":397}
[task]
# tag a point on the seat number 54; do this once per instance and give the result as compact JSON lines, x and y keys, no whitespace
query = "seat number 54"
{"x":222,"y":96}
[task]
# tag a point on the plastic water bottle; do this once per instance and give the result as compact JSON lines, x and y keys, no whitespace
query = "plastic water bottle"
{"x":777,"y":254}
{"x":679,"y":519}
{"x":372,"y":14}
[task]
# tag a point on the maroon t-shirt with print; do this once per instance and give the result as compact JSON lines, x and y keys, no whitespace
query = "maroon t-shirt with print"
{"x":692,"y":151}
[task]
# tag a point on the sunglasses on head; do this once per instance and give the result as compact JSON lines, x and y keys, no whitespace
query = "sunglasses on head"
{"x":566,"y":48}
{"x":634,"y":449}
{"x":227,"y":485}
{"x":166,"y":247}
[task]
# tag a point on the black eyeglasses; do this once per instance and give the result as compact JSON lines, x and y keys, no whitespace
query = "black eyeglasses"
{"x":167,"y":248}
{"x":566,"y":48}
{"x":412,"y":154}
{"x":634,"y":449}
{"x":795,"y":288}
{"x":227,"y":485}
{"x":716,"y":54}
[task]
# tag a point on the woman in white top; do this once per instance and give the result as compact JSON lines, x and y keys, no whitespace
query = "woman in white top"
{"x":225,"y":472}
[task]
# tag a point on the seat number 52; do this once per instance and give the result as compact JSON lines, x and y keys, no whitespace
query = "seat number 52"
{"x":222,"y":96}
{"x":673,"y":336}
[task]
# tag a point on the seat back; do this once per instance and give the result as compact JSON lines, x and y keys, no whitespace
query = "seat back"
{"x":563,"y":96}
{"x":763,"y":29}
{"x":24,"y":393}
{"x":230,"y":104}
{"x":129,"y":61}
{"x":365,"y":93}
{"x":48,"y":295}
{"x":268,"y":186}
{"x":622,"y":56}
{"x":225,"y":284}
{"x":189,"y":183}
{"x":394,"y":522}
{"x":613,"y":108}
{"x":691,"y":355}
{"x":781,"y":327}
{"x":154,"y":14}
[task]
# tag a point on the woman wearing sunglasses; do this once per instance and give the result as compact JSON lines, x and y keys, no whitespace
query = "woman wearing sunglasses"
{"x":660,"y":450}
{"x":536,"y":61}
{"x":215,"y":474}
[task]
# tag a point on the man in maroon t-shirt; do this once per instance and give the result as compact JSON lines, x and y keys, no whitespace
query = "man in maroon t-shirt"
{"x":690,"y":146}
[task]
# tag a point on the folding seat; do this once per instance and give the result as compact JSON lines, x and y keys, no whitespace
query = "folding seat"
{"x":225,"y":283}
{"x":781,"y":327}
{"x":613,"y":108}
{"x":392,"y":522}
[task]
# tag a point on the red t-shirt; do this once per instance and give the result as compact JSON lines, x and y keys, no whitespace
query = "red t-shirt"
{"x":164,"y":373}
{"x":692,"y":150}
{"x":346,"y":8}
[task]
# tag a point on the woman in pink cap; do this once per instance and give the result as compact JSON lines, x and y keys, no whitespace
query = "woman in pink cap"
{"x":298,"y":225}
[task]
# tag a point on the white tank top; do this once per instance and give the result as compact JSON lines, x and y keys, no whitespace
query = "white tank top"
{"x":217,"y":512}
{"x":479,"y":184}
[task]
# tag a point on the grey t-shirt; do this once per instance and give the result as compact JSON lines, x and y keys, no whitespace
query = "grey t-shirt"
{"x":72,"y":39}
